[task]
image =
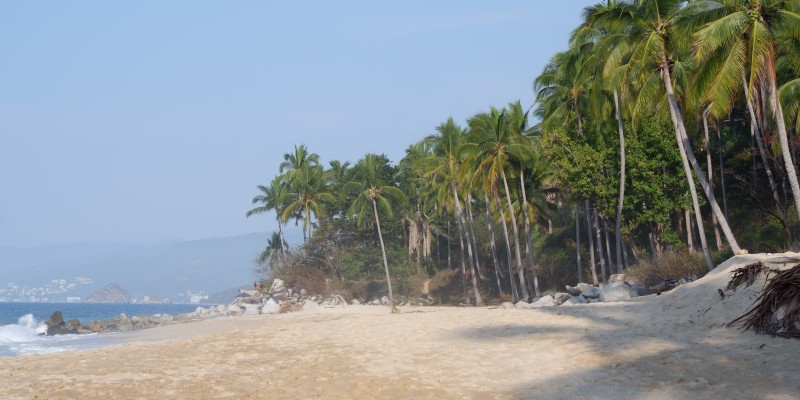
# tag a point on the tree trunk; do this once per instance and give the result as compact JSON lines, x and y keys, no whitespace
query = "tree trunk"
{"x":608,"y":245}
{"x":755,"y":130}
{"x":283,"y":248}
{"x":449,"y":258}
{"x":685,"y":149}
{"x":710,"y":169}
{"x":621,"y":199}
{"x":514,"y":293}
{"x":383,"y":252}
{"x":777,"y":109}
{"x":592,"y":264}
{"x":463,"y":221}
{"x":463,"y":263}
{"x":603,"y":272}
{"x":529,"y":243}
{"x":474,"y":238}
{"x":722,"y":172}
{"x":578,"y":242}
{"x":518,"y":253}
{"x":689,"y":231}
{"x":490,"y":226}
{"x":690,"y":163}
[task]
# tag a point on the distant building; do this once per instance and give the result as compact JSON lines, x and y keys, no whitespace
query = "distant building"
{"x":73,"y":299}
{"x":197,"y":298}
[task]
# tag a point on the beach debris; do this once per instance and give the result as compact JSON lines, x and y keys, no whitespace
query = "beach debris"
{"x":746,"y":275}
{"x":776,"y":312}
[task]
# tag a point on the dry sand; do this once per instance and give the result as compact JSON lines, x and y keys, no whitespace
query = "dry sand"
{"x":668,"y":347}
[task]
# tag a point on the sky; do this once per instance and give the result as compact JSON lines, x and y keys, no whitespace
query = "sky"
{"x":151,"y":121}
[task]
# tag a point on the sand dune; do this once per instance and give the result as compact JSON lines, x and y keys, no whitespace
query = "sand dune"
{"x":668,"y":347}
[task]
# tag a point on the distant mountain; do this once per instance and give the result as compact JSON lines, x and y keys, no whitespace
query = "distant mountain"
{"x":111,"y":293}
{"x":175,"y":269}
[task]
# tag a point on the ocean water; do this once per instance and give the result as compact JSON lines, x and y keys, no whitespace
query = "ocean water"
{"x":25,"y":324}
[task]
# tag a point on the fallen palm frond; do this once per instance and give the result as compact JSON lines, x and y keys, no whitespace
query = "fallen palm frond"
{"x":746,"y":275}
{"x":777,"y":309}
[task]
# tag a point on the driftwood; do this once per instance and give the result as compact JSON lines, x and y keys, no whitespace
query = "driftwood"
{"x":777,"y":310}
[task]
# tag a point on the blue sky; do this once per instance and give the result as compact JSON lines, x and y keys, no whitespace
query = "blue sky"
{"x":147,"y":121}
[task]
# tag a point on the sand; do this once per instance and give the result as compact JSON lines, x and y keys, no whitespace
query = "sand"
{"x":671,"y":346}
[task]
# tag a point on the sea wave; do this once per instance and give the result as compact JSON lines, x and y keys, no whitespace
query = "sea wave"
{"x":27,"y":337}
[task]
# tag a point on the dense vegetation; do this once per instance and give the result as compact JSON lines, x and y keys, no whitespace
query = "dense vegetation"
{"x":662,"y":124}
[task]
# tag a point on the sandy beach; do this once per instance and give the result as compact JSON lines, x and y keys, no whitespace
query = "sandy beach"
{"x":668,"y":347}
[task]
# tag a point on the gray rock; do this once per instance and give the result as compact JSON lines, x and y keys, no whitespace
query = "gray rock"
{"x":583,"y":286}
{"x":638,"y":290}
{"x":277,"y":286}
{"x":592,"y":301}
{"x":591,"y":293}
{"x":616,"y":278}
{"x":220,"y":309}
{"x":355,"y":302}
{"x":617,"y":291}
{"x":250,"y":309}
{"x":375,"y":302}
{"x":545,"y":301}
{"x":122,"y":316}
{"x":310,"y":305}
{"x":200,"y":311}
{"x":573,"y":290}
{"x":384,"y":300}
{"x":561,"y":297}
{"x":507,"y":305}
{"x":572,"y":301}
{"x":270,"y":307}
{"x":233,"y":310}
{"x":522,"y":305}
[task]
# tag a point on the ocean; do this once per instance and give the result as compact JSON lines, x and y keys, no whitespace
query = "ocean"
{"x":26,"y":323}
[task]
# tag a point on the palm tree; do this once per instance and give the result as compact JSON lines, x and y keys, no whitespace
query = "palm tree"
{"x":297,"y":161}
{"x":272,"y":197}
{"x":372,"y":192}
{"x":274,"y":243}
{"x":745,"y":33}
{"x":309,"y":193}
{"x":492,"y":146}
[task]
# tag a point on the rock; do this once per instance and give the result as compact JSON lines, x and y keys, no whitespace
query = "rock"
{"x":384,"y":300}
{"x":95,"y":326}
{"x":591,"y":293}
{"x":55,"y":321}
{"x":355,"y":302}
{"x":220,"y":309}
{"x":338,"y":300}
{"x":545,"y":301}
{"x":616,"y":278}
{"x":592,"y":301}
{"x":303,"y":293}
{"x":200,"y":311}
{"x":522,"y":305}
{"x":667,"y":284}
{"x":73,"y":324}
{"x":506,"y":305}
{"x":638,"y":290}
{"x":310,"y":305}
{"x":583,"y":286}
{"x":270,"y":307}
{"x":233,"y":310}
{"x":617,"y":291}
{"x":277,"y":286}
{"x":686,"y":279}
{"x":572,"y":301}
{"x":122,"y":316}
{"x":250,"y":309}
{"x":573,"y":290}
{"x":631,"y":282}
{"x":561,"y":297}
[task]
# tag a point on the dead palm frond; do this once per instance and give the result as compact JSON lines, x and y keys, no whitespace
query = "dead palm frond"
{"x":777,"y":309}
{"x":746,"y":275}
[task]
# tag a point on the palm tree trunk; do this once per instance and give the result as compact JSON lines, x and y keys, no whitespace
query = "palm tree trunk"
{"x":449,"y":259}
{"x":383,"y":252}
{"x":621,"y":199}
{"x":710,"y":169}
{"x":514,"y":293}
{"x":592,"y":264}
{"x":463,"y":221}
{"x":755,"y":130}
{"x":777,"y":109}
{"x":463,"y":264}
{"x":520,"y":270}
{"x":578,"y":242}
{"x":471,"y":223}
{"x":687,"y":157}
{"x":496,"y":262}
{"x":603,"y":276}
{"x":722,"y":172}
{"x":689,"y":231}
{"x":529,"y":243}
{"x":608,"y":245}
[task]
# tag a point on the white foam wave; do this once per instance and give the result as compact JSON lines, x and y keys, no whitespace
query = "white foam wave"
{"x":26,"y":337}
{"x":27,"y":329}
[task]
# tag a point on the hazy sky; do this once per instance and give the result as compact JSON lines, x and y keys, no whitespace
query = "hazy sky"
{"x":150,"y":120}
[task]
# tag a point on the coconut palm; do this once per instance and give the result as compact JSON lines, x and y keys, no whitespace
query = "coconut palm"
{"x":745,"y":34}
{"x":272,"y":197}
{"x":309,"y":193}
{"x":374,"y":194}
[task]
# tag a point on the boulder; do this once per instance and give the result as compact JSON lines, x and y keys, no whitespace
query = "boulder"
{"x":616,"y":278}
{"x":233,"y":310}
{"x":375,"y":302}
{"x":507,"y":305}
{"x":616,"y":291}
{"x":583,"y":286}
{"x":310,"y":305}
{"x":384,"y":300}
{"x":220,"y":309}
{"x":638,"y":290}
{"x":270,"y":307}
{"x":95,"y":326}
{"x":561,"y":297}
{"x":591,"y":293}
{"x":592,"y":301}
{"x":55,"y":321}
{"x":355,"y":302}
{"x":522,"y":305}
{"x":572,"y":301}
{"x":545,"y":301}
{"x":250,"y":309}
{"x":277,"y":286}
{"x":73,"y":324}
{"x":200,"y":311}
{"x":573,"y":290}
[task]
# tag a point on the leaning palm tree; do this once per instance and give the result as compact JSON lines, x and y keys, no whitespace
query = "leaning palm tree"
{"x":272,"y":197}
{"x":374,"y":194}
{"x":745,"y":33}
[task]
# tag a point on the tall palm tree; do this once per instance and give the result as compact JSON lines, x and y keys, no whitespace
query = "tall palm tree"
{"x":272,"y":197}
{"x":309,"y":193}
{"x":374,"y":194}
{"x":745,"y":33}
